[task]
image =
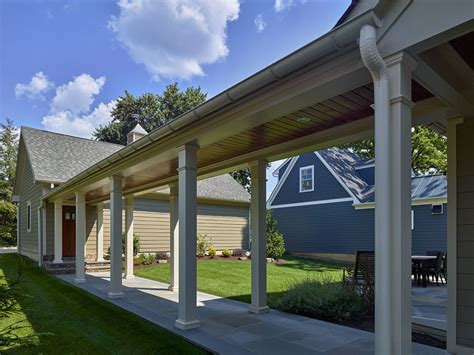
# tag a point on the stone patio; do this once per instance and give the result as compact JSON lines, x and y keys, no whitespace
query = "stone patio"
{"x":228,"y":328}
{"x":429,"y":306}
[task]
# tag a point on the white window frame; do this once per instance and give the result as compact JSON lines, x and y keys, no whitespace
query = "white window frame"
{"x":312,"y":180}
{"x":437,"y":204}
{"x":28,"y":216}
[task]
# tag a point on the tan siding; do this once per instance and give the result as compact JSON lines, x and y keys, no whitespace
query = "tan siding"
{"x":226,"y":226}
{"x":465,"y":242}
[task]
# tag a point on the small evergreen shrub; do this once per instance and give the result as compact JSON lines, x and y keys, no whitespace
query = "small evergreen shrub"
{"x":275,"y":240}
{"x":202,"y":245}
{"x":136,"y":243}
{"x":226,"y":253}
{"x":212,"y":251}
{"x":146,"y":259}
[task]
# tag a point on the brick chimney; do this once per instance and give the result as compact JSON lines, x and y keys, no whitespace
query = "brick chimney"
{"x":135,"y":134}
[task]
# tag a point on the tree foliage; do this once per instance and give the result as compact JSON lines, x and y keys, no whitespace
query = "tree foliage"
{"x":429,"y":151}
{"x":8,"y":154}
{"x":275,"y":240}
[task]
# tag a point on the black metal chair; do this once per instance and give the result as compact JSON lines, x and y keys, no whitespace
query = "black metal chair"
{"x":364,"y":271}
{"x":435,"y":269}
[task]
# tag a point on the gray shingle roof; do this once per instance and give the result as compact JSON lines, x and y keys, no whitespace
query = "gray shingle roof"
{"x":58,"y":157}
{"x":344,"y":164}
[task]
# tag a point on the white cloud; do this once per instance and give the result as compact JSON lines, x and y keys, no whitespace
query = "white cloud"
{"x":281,"y":5}
{"x":259,"y":23}
{"x":77,"y":96}
{"x":174,"y":38}
{"x":36,"y":88}
{"x":79,"y":125}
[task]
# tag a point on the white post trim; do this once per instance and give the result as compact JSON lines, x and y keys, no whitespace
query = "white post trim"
{"x":174,"y":238}
{"x":129,"y":237}
{"x":58,"y":232}
{"x":258,"y":232}
{"x":99,"y":242}
{"x":187,"y":307}
{"x":18,"y":246}
{"x":40,"y":237}
{"x":80,"y":237}
{"x":115,"y":237}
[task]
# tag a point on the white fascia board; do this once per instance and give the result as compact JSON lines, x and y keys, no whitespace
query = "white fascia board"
{"x":281,"y":181}
{"x":417,"y":202}
{"x":275,"y":172}
{"x":311,"y":203}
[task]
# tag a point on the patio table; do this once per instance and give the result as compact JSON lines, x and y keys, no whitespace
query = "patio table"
{"x":422,"y":261}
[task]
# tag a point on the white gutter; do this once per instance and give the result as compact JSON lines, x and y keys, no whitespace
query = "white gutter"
{"x":378,"y":69}
{"x":338,"y":38}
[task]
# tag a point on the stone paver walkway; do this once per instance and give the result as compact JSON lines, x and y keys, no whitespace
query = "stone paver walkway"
{"x":228,"y":328}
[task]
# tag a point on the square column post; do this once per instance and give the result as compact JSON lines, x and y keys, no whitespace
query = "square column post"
{"x":115,"y":237}
{"x":187,"y":308}
{"x":393,"y":212}
{"x":80,"y":237}
{"x":58,"y":232}
{"x":129,"y":237}
{"x":258,"y":229}
{"x":174,"y":238}
{"x":99,"y":242}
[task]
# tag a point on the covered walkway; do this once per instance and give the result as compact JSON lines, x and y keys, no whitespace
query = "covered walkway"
{"x":227,"y":327}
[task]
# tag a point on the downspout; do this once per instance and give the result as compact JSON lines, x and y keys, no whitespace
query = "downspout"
{"x":378,"y":69}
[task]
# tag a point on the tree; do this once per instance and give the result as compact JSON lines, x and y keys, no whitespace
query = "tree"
{"x":8,"y":154}
{"x":149,"y":110}
{"x":275,"y":240}
{"x":429,"y":151}
{"x":243,"y":177}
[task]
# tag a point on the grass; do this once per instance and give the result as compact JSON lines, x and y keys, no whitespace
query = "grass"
{"x":231,"y":278}
{"x":64,"y":319}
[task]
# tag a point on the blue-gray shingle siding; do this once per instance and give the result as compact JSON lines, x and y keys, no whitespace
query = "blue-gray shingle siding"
{"x":367,"y":174}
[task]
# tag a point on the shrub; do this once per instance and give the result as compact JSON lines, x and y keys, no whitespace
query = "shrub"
{"x":212,"y":251}
{"x":275,"y":241}
{"x":161,"y":256}
{"x":323,"y":299}
{"x":146,"y":259}
{"x":136,"y":243}
{"x":226,"y":253}
{"x":202,"y":245}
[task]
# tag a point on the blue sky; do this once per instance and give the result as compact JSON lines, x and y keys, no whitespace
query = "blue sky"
{"x":63,"y":63}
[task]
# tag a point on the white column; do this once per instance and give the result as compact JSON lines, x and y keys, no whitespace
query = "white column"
{"x":258,"y":233}
{"x":40,"y":237}
{"x":80,"y":236}
{"x":99,"y":242}
{"x":174,"y":238}
{"x":129,"y":237}
{"x":58,"y":231}
{"x":18,"y":228}
{"x":115,"y":237}
{"x":187,"y":308}
{"x":393,"y":212}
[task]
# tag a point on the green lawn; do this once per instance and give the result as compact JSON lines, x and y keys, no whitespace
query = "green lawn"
{"x":231,"y":278}
{"x":69,"y":320}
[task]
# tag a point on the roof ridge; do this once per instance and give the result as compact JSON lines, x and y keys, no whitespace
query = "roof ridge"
{"x":70,"y":136}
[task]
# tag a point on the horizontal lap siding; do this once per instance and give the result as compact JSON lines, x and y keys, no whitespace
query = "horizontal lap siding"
{"x":225,"y":226}
{"x":430,"y":232}
{"x":465,"y":234}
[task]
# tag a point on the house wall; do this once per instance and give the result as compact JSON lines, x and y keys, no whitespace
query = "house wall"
{"x":337,"y":228}
{"x":226,"y":226}
{"x":29,"y":191}
{"x":465,"y":234}
{"x":368,"y":175}
{"x":325,"y":185}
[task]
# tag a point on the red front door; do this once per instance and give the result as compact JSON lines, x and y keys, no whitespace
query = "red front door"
{"x":69,"y":231}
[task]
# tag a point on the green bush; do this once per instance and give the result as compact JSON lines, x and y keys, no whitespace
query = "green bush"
{"x":136,"y":243}
{"x":275,"y":240}
{"x":146,"y":259}
{"x":226,"y":253}
{"x":322,"y":299}
{"x":212,"y":251}
{"x":202,"y":245}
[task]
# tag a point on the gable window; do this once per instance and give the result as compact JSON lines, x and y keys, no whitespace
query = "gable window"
{"x":28,"y":216}
{"x":437,"y":208}
{"x":307,"y":178}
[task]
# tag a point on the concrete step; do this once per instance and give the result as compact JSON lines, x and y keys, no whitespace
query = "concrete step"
{"x":97,"y":268}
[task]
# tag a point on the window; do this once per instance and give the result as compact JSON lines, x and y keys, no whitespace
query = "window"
{"x":28,"y":216}
{"x":307,"y":178}
{"x":437,"y":208}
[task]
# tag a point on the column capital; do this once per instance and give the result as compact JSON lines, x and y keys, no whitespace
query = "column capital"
{"x":129,"y":200}
{"x":456,"y":119}
{"x":401,"y":58}
{"x":116,"y":177}
{"x":174,"y":189}
{"x":58,"y":202}
{"x":188,"y":146}
{"x":258,"y":162}
{"x":80,"y":196}
{"x":100,"y":206}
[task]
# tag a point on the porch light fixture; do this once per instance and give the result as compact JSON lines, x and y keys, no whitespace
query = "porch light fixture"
{"x":303,"y":119}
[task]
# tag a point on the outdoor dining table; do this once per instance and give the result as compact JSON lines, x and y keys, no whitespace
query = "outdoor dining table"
{"x":422,"y":261}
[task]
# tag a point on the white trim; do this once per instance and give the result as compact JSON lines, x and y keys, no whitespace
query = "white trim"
{"x":365,"y":167}
{"x":282,"y":181}
{"x":310,"y":203}
{"x":39,"y":233}
{"x":337,"y":177}
{"x":417,"y":202}
{"x":312,"y":178}
{"x":437,"y":204}
{"x":29,"y":220}
{"x":18,"y":228}
{"x":412,"y":219}
{"x":275,"y":172}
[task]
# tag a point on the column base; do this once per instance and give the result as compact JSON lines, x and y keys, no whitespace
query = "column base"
{"x":114,"y":295}
{"x":172,"y":288}
{"x":128,"y":277}
{"x":259,"y":310}
{"x":100,"y":260}
{"x":57,"y":261}
{"x":80,"y":281}
{"x":184,"y":325}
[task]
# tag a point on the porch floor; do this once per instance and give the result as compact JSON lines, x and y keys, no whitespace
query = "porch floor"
{"x":228,"y":328}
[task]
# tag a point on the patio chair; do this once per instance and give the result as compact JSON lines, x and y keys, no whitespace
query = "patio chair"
{"x":435,"y":270}
{"x":363,"y":274}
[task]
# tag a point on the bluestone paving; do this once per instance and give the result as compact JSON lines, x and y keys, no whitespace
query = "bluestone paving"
{"x":228,"y":328}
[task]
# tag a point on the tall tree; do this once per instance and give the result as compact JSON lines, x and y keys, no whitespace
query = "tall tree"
{"x":150,"y":110}
{"x":8,"y":154}
{"x":429,"y":151}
